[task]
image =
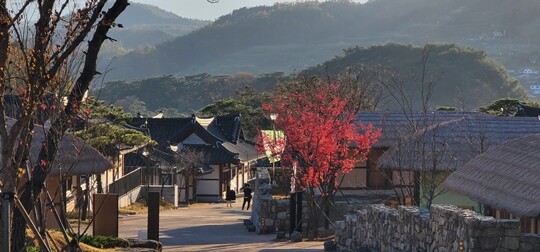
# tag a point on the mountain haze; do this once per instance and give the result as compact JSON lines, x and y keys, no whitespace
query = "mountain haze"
{"x":145,"y":24}
{"x":464,"y":78}
{"x":292,"y":37}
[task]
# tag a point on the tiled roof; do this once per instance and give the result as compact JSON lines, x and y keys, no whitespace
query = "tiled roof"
{"x":505,"y":177}
{"x":222,"y":135}
{"x":229,"y":125}
{"x":442,"y":141}
{"x":524,"y":110}
{"x":246,"y":150}
{"x":395,"y":125}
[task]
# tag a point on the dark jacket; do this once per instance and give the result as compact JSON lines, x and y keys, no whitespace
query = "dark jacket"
{"x":247,"y":192}
{"x":230,"y":195}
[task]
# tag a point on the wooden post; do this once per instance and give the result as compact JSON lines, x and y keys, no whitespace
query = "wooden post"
{"x":153,"y":215}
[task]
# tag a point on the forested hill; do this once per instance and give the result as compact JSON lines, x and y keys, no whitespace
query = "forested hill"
{"x":465,"y":78}
{"x":145,"y":24}
{"x":145,"y":14}
{"x":181,"y":96}
{"x":462,"y":76}
{"x":289,"y":37}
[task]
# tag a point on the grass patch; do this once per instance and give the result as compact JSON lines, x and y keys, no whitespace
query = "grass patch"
{"x":140,"y":207}
{"x":59,"y":241}
{"x":99,"y":241}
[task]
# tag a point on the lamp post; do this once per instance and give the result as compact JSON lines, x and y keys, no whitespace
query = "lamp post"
{"x":273,"y":117}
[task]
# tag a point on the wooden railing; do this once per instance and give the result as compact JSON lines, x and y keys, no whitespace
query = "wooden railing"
{"x":127,"y":183}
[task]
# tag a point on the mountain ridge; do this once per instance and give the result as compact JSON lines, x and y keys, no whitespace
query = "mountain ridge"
{"x":329,"y":27}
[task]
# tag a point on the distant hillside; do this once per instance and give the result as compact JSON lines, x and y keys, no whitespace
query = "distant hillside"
{"x":466,"y":78}
{"x":463,"y":77}
{"x":180,"y":95}
{"x":148,"y":25}
{"x":292,"y":37}
{"x":145,"y":14}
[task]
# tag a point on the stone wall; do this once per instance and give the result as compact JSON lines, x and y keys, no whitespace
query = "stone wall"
{"x":445,"y":228}
{"x":269,"y":213}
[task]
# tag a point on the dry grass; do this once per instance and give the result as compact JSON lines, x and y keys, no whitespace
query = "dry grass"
{"x":59,"y":241}
{"x":140,"y":207}
{"x":73,"y":219}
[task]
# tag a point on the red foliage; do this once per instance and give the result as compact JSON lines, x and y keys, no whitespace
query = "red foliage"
{"x":322,"y":137}
{"x":271,"y":145}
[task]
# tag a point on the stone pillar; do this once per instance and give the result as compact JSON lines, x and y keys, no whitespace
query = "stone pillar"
{"x":262,"y":195}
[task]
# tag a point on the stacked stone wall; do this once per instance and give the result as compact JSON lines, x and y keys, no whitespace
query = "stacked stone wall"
{"x":444,"y":228}
{"x":270,"y":214}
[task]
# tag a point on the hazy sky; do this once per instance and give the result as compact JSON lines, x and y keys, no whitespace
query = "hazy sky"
{"x":202,"y":9}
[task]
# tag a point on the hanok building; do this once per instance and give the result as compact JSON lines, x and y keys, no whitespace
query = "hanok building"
{"x":73,"y":174}
{"x":395,"y":127}
{"x":527,"y":111}
{"x":228,"y":156}
{"x":506,"y":179}
{"x":436,"y":143}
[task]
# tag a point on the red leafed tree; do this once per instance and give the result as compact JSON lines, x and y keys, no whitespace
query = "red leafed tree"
{"x":323,"y":141}
{"x":271,"y":144}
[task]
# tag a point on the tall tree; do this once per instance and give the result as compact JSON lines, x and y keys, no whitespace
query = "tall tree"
{"x":506,"y":106}
{"x":45,"y":50}
{"x":323,"y":140}
{"x":192,"y":162}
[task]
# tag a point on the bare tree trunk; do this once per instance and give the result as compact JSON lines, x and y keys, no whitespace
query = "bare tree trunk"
{"x":312,"y":231}
{"x":99,"y":184}
{"x":328,"y":201}
{"x":186,"y":178}
{"x":163,"y":184}
{"x":59,"y":127}
{"x":194,"y":188}
{"x":416,"y":188}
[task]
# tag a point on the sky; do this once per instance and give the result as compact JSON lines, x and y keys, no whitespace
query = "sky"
{"x":202,"y":9}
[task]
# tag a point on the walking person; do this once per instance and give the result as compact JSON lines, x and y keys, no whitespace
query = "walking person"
{"x":230,"y":195}
{"x":247,"y":195}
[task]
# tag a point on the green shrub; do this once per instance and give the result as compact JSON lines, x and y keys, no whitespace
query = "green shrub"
{"x":446,"y":108}
{"x":99,"y":241}
{"x":32,"y":249}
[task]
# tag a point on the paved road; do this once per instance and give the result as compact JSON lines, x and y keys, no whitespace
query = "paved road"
{"x":210,"y":227}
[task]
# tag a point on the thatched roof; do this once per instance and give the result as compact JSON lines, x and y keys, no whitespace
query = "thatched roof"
{"x":445,"y":142}
{"x":74,"y":156}
{"x":505,"y":177}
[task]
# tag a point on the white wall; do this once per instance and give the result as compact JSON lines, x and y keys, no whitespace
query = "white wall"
{"x":170,"y":193}
{"x":130,"y":197}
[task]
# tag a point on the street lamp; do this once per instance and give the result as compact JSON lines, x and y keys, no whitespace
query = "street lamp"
{"x":273,"y":117}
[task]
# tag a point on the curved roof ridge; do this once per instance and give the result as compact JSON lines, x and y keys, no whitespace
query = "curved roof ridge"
{"x":205,"y":122}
